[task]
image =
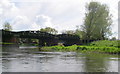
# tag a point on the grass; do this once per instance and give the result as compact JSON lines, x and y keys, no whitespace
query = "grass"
{"x":106,"y":43}
{"x":103,"y":46}
{"x":100,"y":49}
{"x":5,"y":43}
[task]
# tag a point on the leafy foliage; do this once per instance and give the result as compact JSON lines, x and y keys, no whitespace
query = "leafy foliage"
{"x":106,"y":43}
{"x":68,"y":32}
{"x":49,"y":30}
{"x":7,"y":26}
{"x":97,"y":46}
{"x":97,"y":22}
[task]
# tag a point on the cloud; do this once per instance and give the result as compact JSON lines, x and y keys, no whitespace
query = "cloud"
{"x":25,"y":23}
{"x":8,"y":11}
{"x":43,"y":21}
{"x":20,"y":22}
{"x":23,"y":17}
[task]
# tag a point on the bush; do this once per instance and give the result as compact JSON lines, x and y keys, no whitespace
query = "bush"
{"x":97,"y":46}
{"x":106,"y":43}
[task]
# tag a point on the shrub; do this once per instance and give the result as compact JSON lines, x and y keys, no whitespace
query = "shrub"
{"x":106,"y":43}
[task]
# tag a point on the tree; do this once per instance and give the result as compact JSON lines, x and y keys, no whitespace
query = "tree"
{"x":49,"y":30}
{"x":7,"y":26}
{"x":113,"y":38}
{"x":97,"y":21}
{"x":79,"y":33}
{"x":68,"y":32}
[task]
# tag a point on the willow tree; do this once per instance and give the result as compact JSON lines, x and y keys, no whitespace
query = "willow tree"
{"x":97,"y":21}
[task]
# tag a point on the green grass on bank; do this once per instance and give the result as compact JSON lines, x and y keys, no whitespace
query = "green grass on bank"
{"x":103,"y":46}
{"x":96,"y":46}
{"x":83,"y":49}
{"x":6,"y":43}
{"x":106,"y":43}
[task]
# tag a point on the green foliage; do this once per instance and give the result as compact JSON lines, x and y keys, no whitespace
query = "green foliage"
{"x":97,"y":46}
{"x":61,"y":48}
{"x":99,"y":49}
{"x":113,"y":38}
{"x":97,"y":22}
{"x":7,"y":26}
{"x":106,"y":43}
{"x":80,"y":33}
{"x":69,"y":32}
{"x":49,"y":30}
{"x":5,"y":43}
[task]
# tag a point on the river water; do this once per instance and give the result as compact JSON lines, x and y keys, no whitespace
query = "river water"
{"x":28,"y":59}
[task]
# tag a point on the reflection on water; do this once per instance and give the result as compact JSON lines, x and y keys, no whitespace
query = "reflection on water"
{"x":32,"y":60}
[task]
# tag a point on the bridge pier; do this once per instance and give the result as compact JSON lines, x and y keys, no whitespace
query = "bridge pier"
{"x":41,"y":43}
{"x":10,"y":39}
{"x":48,"y":41}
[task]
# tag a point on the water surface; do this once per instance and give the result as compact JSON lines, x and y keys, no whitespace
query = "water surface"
{"x":28,"y":59}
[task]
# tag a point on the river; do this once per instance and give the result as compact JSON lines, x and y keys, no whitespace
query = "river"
{"x":28,"y":59}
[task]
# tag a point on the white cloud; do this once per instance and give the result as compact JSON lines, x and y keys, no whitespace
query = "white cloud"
{"x":23,"y":17}
{"x":20,"y":22}
{"x":8,"y":11}
{"x":25,"y":23}
{"x":43,"y":21}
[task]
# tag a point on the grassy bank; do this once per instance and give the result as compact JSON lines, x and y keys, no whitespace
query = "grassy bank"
{"x":6,"y":43}
{"x":97,"y":46}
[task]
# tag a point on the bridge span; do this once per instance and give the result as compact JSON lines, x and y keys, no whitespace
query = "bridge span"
{"x":43,"y":37}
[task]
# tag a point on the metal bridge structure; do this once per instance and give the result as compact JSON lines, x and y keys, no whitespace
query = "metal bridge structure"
{"x":43,"y":37}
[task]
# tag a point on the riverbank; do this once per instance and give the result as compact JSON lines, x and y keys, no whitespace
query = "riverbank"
{"x":5,"y":44}
{"x":102,"y":46}
{"x":105,"y":46}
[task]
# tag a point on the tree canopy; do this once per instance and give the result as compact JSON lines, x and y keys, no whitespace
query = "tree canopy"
{"x":97,"y":21}
{"x":7,"y":26}
{"x":69,"y":32}
{"x":49,"y":30}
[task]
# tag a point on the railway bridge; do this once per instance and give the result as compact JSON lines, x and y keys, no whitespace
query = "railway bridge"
{"x":43,"y":37}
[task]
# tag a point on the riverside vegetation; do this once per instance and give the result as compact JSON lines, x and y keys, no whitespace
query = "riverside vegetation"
{"x":103,"y":46}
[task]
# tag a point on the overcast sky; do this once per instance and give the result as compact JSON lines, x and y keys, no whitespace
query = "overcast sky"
{"x":58,"y":14}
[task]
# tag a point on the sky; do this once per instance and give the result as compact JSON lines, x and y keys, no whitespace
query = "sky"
{"x":59,"y":14}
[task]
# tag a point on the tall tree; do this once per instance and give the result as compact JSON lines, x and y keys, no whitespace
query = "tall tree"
{"x":79,"y":33}
{"x":97,"y":21}
{"x":7,"y":26}
{"x":49,"y":30}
